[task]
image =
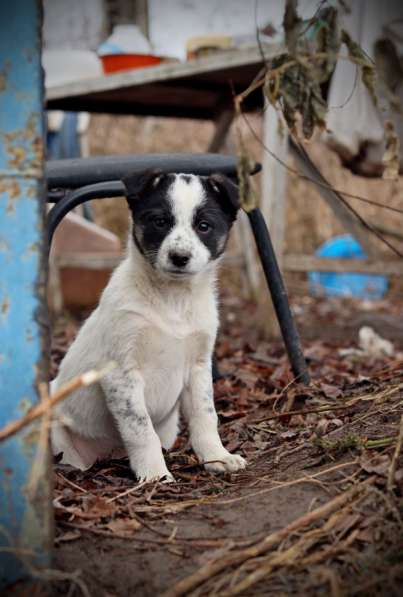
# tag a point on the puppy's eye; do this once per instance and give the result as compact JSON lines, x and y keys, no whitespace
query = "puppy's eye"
{"x":203,"y":226}
{"x":160,"y":222}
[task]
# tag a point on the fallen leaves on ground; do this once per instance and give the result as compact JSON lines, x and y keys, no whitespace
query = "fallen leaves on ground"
{"x":338,"y":432}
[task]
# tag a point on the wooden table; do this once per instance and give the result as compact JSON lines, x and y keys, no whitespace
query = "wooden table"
{"x":202,"y":89}
{"x":199,"y":88}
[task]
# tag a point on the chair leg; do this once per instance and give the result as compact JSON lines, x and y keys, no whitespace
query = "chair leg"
{"x":279,"y":296}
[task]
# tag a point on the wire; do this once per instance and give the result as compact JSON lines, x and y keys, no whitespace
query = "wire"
{"x":323,"y":183}
{"x":329,"y":187}
{"x":311,"y":21}
{"x":350,"y":95}
{"x":363,"y":222}
{"x":305,"y":177}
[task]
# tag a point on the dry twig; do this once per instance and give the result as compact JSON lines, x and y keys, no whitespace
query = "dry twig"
{"x":396,"y":454}
{"x":289,"y":557}
{"x":86,"y":379}
{"x":233,"y":559}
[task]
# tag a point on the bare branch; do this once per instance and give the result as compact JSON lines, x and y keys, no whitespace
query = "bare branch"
{"x":44,"y":406}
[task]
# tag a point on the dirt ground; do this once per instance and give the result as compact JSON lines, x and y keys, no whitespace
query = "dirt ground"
{"x":318,"y":511}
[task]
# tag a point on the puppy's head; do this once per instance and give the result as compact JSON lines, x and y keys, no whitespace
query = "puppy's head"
{"x":181,"y":222}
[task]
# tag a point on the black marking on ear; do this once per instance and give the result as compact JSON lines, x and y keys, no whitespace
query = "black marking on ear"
{"x":137,"y":185}
{"x":151,"y":210}
{"x":226,"y":192}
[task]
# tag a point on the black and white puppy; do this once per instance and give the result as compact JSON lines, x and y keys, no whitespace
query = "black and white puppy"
{"x":157,"y":319}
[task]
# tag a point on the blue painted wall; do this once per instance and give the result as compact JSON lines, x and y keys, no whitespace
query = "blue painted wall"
{"x":24,"y":504}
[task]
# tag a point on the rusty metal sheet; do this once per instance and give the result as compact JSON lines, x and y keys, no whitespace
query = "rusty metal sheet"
{"x":25,"y":514}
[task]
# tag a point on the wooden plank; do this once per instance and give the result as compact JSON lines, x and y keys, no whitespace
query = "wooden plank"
{"x":249,"y":257}
{"x":274,"y":179}
{"x":309,"y":263}
{"x":129,"y":106}
{"x":222,"y":140}
{"x":221,"y":127}
{"x":332,"y":198}
{"x":164,"y":72}
{"x":291,"y":263}
{"x":92,"y":261}
{"x":272,"y":205}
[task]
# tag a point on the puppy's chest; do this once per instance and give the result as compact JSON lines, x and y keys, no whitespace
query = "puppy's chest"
{"x":174,"y":337}
{"x":166,"y":367}
{"x":171,"y":350}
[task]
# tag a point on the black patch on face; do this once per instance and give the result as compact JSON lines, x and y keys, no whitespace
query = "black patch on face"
{"x":151,"y":211}
{"x":213,"y":220}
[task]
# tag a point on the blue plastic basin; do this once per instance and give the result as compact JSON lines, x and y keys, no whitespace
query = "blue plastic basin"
{"x":366,"y":286}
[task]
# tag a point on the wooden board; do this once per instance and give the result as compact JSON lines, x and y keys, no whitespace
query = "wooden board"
{"x":193,"y":89}
{"x":308,"y":263}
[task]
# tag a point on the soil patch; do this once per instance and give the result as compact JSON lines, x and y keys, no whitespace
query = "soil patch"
{"x":318,"y":511}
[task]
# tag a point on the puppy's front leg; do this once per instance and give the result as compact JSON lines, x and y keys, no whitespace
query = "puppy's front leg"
{"x":199,"y":410}
{"x":124,"y":394}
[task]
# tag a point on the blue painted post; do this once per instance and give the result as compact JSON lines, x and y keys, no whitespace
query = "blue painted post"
{"x":25,"y":514}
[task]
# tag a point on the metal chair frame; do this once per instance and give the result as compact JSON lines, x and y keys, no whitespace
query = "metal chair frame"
{"x":73,"y":182}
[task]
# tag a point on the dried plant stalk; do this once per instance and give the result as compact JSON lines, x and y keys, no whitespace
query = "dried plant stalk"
{"x":395,"y":457}
{"x":214,"y":567}
{"x":44,"y":406}
{"x":290,"y":555}
{"x":390,"y":159}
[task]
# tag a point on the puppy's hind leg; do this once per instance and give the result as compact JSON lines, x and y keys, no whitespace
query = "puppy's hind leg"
{"x":167,"y":429}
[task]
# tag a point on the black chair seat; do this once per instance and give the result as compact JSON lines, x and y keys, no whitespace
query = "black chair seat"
{"x":72,"y":182}
{"x":79,"y":172}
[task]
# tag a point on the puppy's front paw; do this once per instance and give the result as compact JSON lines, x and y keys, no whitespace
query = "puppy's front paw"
{"x":164,"y":477}
{"x":151,"y":467}
{"x":146,"y":474}
{"x":226,"y":462}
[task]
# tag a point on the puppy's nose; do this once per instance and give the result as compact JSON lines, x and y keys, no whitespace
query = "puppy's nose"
{"x":179,"y":259}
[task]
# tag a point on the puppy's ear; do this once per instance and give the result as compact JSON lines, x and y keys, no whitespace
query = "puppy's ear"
{"x":139,"y":184}
{"x":226,"y":192}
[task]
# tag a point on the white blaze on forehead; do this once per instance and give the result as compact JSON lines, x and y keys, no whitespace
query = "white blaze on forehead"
{"x":186,"y":195}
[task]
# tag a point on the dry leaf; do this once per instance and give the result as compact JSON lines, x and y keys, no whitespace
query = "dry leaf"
{"x":125,"y":526}
{"x":399,"y":475}
{"x":360,"y":58}
{"x":296,"y":421}
{"x":378,"y":464}
{"x":322,"y":426}
{"x":331,"y":391}
{"x":288,"y":434}
{"x":292,"y":25}
{"x":100,"y":508}
{"x":390,"y":159}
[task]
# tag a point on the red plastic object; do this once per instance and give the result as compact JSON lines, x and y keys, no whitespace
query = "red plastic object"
{"x":113,"y":63}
